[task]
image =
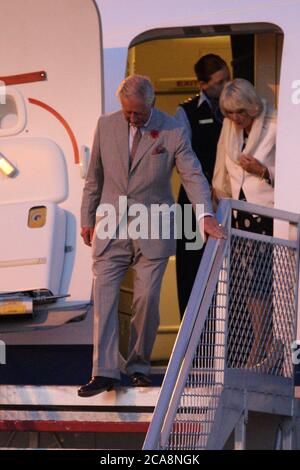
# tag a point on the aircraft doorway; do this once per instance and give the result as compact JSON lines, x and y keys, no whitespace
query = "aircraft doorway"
{"x":167,"y":57}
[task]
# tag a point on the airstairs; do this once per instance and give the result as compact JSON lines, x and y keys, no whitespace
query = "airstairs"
{"x":223,"y":382}
{"x":234,"y":352}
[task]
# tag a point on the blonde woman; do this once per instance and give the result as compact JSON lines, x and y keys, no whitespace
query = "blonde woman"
{"x":245,"y":170}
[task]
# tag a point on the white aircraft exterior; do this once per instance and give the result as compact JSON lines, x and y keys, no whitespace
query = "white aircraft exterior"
{"x":61,"y":64}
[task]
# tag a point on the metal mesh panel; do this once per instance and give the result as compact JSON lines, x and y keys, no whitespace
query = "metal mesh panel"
{"x":257,"y":290}
{"x":261,"y":314}
{"x":205,"y":381}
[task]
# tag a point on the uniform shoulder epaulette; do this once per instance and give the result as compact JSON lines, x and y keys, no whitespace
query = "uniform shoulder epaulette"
{"x":191,"y":98}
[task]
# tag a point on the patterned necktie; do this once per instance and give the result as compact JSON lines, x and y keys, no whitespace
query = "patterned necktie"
{"x":136,"y":140}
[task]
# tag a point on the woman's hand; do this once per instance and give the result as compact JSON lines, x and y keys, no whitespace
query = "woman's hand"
{"x":251,"y":165}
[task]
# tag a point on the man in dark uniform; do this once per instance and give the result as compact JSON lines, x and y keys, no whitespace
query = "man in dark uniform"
{"x":202,"y":118}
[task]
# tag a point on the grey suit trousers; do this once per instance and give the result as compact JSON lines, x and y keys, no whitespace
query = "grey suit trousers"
{"x":109,"y":269}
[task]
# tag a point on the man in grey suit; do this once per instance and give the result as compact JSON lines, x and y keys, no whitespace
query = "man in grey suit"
{"x":133,"y":155}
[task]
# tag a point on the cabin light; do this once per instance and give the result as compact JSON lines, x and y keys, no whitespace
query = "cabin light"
{"x":7,"y":168}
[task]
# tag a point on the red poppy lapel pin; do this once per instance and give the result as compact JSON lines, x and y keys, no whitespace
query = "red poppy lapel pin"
{"x":154,"y":134}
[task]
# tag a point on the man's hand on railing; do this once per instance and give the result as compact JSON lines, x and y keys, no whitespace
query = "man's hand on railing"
{"x":213,"y":228}
{"x":252,"y":165}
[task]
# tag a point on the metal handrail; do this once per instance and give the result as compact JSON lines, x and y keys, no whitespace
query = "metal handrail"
{"x":174,"y":373}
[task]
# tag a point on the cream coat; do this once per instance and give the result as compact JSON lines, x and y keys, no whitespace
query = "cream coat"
{"x":229,"y":177}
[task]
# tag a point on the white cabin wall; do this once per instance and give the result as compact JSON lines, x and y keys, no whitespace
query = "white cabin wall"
{"x":63,"y":39}
{"x":114,"y":60}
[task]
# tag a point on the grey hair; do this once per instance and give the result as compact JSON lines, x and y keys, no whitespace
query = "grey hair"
{"x":239,"y":94}
{"x":137,"y":86}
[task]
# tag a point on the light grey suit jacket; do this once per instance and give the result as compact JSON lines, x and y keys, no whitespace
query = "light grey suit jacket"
{"x":148,"y":181}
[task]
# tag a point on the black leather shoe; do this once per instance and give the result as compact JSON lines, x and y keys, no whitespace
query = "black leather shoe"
{"x":97,"y":385}
{"x":140,"y":380}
